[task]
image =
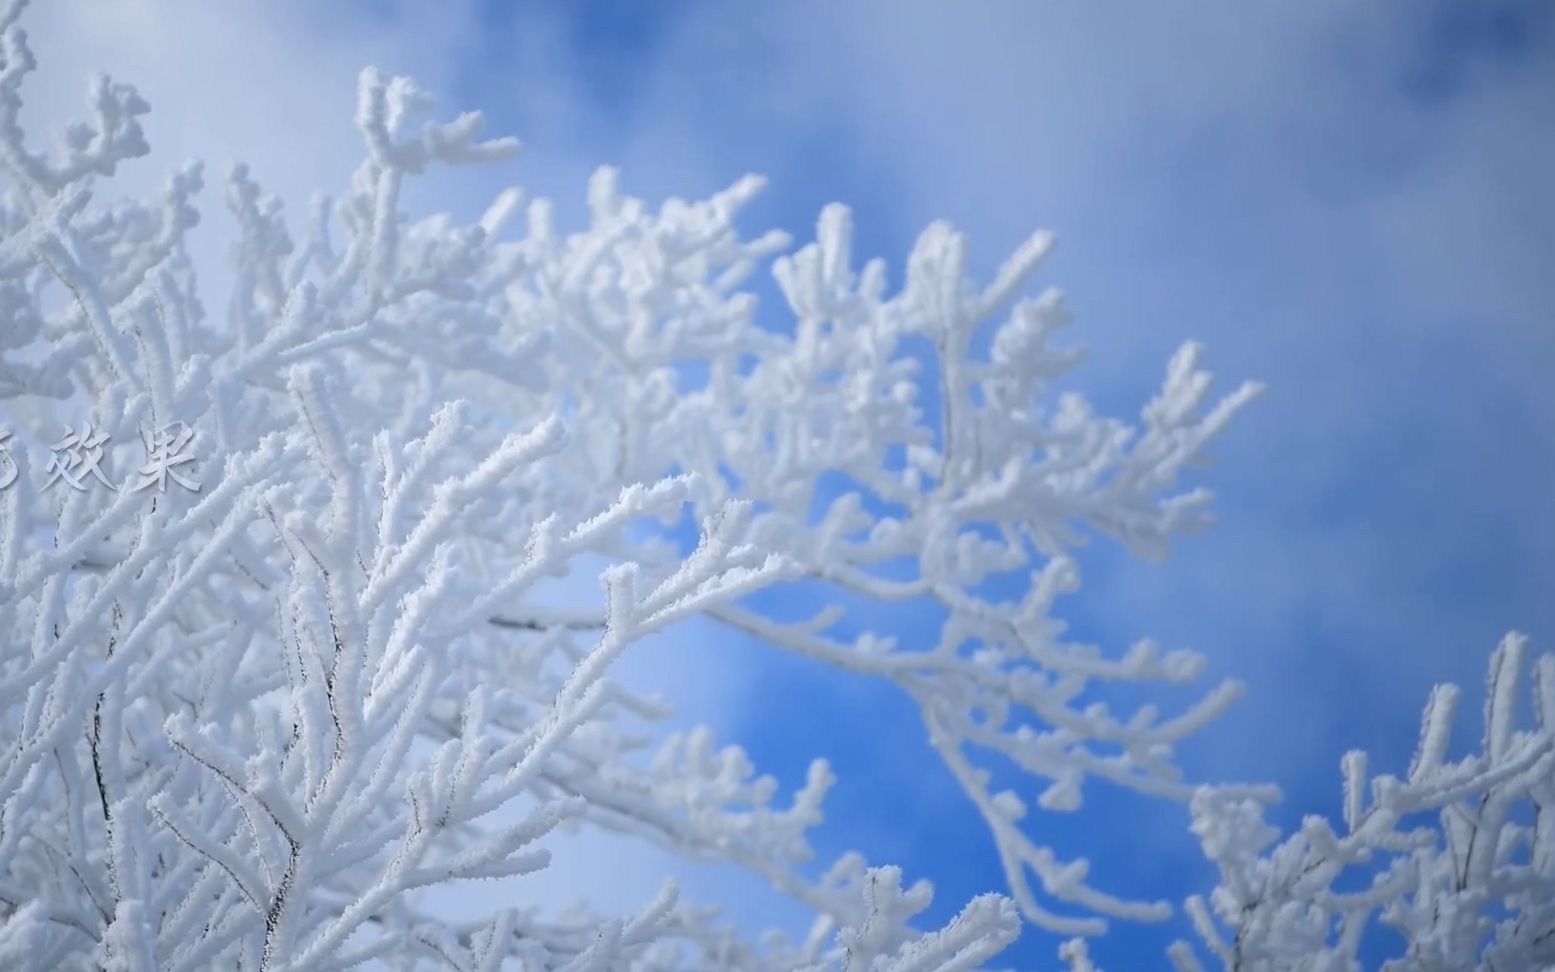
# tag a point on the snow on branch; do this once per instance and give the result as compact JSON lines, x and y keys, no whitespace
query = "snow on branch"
{"x":1460,"y":855}
{"x":251,"y":708}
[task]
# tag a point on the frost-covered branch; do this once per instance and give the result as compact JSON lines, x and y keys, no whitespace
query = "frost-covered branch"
{"x":1460,"y":856}
{"x":258,"y":694}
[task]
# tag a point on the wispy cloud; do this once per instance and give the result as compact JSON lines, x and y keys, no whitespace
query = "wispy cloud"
{"x":1348,"y":202}
{"x":1344,"y":202}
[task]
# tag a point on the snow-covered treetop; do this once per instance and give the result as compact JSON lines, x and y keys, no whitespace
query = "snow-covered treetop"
{"x":280,"y":653}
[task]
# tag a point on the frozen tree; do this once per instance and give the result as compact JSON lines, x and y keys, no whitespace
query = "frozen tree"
{"x":280,"y":648}
{"x":1457,"y":859}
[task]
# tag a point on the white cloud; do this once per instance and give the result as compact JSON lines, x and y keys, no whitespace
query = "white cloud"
{"x":1346,"y":201}
{"x":270,"y":84}
{"x":1257,"y":177}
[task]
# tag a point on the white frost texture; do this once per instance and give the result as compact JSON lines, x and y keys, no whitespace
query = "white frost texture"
{"x":246,"y":726}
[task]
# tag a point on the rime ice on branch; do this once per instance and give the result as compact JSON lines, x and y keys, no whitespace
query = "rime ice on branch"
{"x":242,"y":728}
{"x":1461,"y":855}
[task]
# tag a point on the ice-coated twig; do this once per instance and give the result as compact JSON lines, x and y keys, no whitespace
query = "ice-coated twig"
{"x":240,"y":728}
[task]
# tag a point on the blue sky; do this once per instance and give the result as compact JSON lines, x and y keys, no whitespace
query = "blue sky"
{"x":1351,"y":203}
